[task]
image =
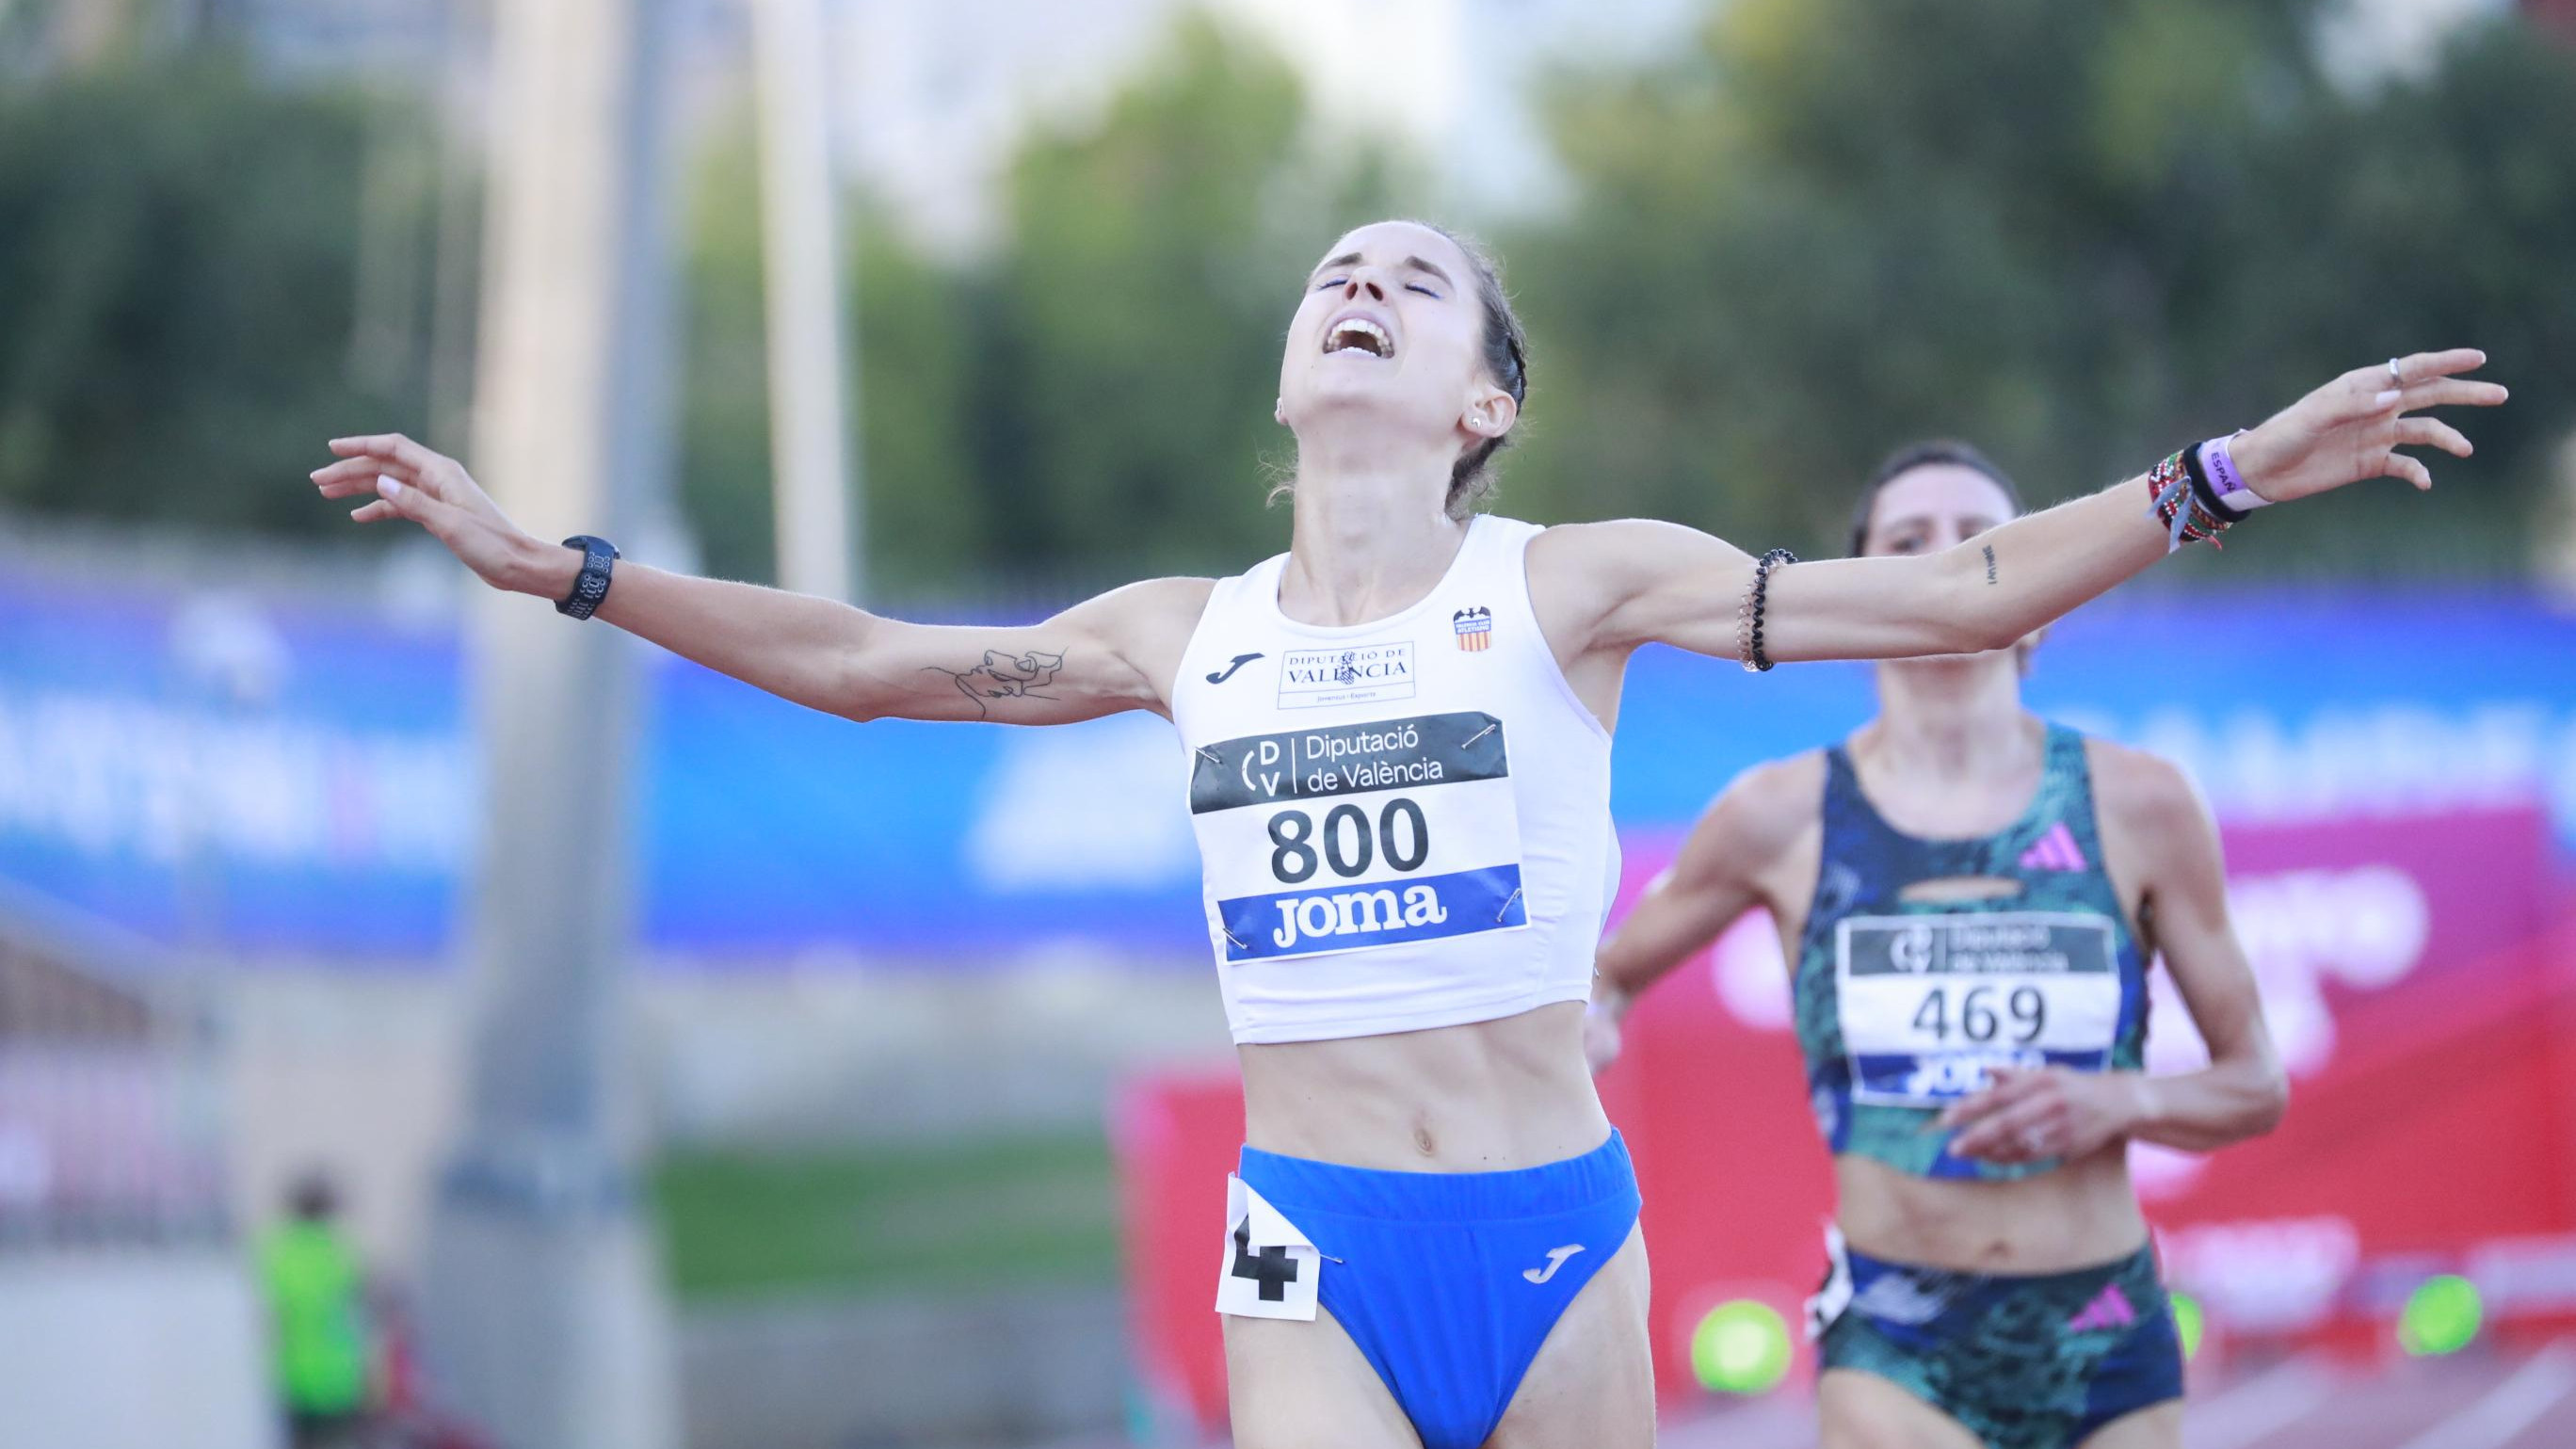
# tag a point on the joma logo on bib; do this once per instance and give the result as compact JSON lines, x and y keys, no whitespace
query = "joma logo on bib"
{"x":1304,"y":923}
{"x":1354,"y":913}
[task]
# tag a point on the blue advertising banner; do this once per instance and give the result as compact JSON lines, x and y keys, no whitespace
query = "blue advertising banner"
{"x":280,"y":778}
{"x":212,"y":771}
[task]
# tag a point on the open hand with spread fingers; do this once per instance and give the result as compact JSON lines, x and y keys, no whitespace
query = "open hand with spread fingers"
{"x":405,"y":480}
{"x":2351,"y":428}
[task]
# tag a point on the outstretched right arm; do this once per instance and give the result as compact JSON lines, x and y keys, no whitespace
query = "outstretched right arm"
{"x":1115,"y":652}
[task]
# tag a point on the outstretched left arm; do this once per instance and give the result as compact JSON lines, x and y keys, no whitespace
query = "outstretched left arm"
{"x":1618,"y":585}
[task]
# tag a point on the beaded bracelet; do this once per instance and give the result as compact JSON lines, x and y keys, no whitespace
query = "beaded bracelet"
{"x":2178,"y":504}
{"x":1748,"y":615}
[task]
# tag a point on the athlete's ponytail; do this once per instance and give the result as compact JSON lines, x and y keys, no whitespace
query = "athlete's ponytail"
{"x":1506,"y":358}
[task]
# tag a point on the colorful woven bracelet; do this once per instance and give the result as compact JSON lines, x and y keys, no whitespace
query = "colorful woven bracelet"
{"x":2177,"y":506}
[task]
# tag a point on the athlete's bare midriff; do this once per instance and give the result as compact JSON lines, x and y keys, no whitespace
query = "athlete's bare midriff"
{"x":2077,"y":1216}
{"x":1486,"y":1097}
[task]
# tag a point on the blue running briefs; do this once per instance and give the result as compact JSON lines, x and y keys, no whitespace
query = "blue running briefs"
{"x":1450,"y":1282}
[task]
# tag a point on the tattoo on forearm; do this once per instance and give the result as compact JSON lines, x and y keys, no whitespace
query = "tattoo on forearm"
{"x":1990,"y":563}
{"x":1004,"y":676}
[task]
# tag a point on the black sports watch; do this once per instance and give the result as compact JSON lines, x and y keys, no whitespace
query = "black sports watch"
{"x":590,"y":588}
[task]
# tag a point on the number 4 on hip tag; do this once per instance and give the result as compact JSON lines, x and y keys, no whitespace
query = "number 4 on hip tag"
{"x":1269,"y":1270}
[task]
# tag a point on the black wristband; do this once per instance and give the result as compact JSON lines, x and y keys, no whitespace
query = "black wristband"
{"x":590,"y":587}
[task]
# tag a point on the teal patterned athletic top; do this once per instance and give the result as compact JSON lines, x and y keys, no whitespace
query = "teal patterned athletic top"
{"x":1902,"y":1005}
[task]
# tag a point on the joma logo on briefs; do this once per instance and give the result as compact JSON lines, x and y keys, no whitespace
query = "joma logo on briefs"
{"x":1355,"y":913}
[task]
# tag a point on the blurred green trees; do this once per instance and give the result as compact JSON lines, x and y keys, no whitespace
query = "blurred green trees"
{"x":723,"y":388}
{"x":1137,"y":310}
{"x":1089,"y":400}
{"x":181,"y":320}
{"x":912,"y":374}
{"x":2076,"y":235}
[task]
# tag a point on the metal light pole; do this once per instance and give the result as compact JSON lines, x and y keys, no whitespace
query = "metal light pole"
{"x":817,"y":511}
{"x":542,"y":1310}
{"x":456,"y":251}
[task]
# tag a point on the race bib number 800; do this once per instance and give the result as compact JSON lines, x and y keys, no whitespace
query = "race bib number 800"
{"x":1351,"y":837}
{"x":1930,"y":1002}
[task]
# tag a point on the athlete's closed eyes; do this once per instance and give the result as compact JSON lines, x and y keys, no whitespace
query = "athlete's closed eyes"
{"x":1327,"y":286}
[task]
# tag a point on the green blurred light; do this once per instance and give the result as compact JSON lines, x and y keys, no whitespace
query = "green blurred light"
{"x":1742,"y":1347}
{"x":2441,"y":1316}
{"x":2189,"y":1322}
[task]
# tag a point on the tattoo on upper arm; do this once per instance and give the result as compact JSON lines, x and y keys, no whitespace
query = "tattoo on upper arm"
{"x":1004,"y":676}
{"x":1990,"y":563}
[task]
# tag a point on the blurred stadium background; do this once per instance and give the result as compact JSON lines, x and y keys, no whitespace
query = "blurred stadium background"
{"x":866,"y":1086}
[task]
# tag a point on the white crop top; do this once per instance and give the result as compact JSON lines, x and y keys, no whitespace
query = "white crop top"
{"x":1402,"y":824}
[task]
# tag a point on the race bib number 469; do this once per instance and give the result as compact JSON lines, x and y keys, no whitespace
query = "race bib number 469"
{"x":1930,"y":1002}
{"x":1359,"y":836}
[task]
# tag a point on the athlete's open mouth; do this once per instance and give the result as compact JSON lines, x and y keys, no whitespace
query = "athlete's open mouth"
{"x":1359,"y":334}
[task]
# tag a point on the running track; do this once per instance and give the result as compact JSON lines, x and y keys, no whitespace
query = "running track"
{"x":2471,"y":1402}
{"x":2476,"y":1401}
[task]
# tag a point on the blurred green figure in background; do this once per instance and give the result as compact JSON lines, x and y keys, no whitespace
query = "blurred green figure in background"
{"x":315,"y":1287}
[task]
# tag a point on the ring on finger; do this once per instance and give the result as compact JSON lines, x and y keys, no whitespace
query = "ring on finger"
{"x":2395,"y":377}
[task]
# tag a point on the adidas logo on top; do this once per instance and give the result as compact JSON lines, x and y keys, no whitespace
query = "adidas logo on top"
{"x":2056,"y":850}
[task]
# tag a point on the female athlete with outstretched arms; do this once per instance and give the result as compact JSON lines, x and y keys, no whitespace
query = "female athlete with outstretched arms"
{"x":1398,"y":770}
